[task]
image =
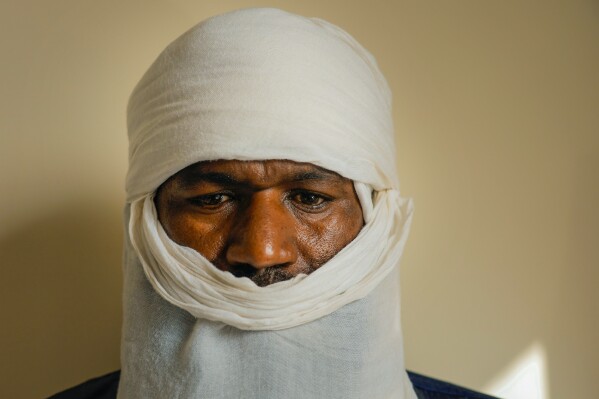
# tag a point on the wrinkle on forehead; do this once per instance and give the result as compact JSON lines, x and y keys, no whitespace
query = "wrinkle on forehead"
{"x":259,"y":173}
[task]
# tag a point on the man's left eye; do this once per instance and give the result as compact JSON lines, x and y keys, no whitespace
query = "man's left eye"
{"x":309,"y":199}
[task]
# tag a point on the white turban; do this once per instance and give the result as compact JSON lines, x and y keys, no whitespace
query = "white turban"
{"x":260,"y":84}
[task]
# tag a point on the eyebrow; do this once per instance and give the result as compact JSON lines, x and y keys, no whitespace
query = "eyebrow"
{"x":190,"y":179}
{"x":314,"y":175}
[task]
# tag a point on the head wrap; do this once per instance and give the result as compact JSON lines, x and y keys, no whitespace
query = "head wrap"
{"x":261,"y":84}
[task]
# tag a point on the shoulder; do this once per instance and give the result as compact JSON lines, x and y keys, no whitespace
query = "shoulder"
{"x":430,"y":388}
{"x":103,"y":387}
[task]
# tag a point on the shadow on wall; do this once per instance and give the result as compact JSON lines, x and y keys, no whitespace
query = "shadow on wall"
{"x":61,"y":299}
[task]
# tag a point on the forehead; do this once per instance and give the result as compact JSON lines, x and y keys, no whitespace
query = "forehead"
{"x":256,"y":172}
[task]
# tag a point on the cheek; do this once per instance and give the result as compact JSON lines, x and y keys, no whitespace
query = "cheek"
{"x":205,"y":236}
{"x":320,"y":241}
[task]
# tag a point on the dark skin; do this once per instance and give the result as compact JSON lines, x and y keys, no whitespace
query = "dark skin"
{"x":266,"y":220}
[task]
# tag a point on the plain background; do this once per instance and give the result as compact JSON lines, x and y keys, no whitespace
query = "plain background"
{"x":496,"y":106}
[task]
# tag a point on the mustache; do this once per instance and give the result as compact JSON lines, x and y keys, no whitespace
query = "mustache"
{"x":268,"y":275}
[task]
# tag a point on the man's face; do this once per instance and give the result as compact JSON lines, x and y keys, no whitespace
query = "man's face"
{"x":265,"y":220}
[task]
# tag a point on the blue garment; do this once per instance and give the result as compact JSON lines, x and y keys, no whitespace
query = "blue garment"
{"x":105,"y":387}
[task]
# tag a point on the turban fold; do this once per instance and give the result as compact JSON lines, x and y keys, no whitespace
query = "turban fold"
{"x":262,"y":84}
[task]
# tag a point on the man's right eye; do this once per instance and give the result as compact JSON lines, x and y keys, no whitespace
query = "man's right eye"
{"x":211,"y":200}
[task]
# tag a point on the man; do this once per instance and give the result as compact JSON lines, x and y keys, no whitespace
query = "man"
{"x":265,"y":224}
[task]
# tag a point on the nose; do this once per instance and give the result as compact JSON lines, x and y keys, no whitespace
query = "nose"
{"x":263,"y":235}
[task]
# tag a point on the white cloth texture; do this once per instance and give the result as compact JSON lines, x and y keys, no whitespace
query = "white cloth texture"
{"x":260,"y":84}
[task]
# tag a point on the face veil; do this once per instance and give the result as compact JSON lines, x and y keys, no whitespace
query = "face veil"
{"x":260,"y":84}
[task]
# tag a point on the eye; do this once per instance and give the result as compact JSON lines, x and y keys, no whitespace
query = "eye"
{"x":309,"y":199}
{"x":211,"y":201}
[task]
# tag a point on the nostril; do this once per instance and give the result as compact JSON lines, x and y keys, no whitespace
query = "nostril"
{"x":249,"y":256}
{"x":262,"y":276}
{"x":250,"y":271}
{"x":242,"y":270}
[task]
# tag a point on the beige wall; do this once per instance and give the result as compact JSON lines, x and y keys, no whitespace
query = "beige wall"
{"x":496,"y":106}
